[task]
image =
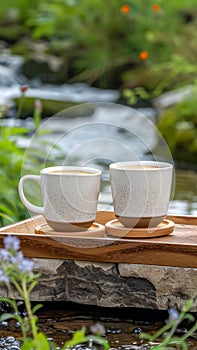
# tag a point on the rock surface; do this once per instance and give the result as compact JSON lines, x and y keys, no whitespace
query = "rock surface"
{"x":114,"y":285}
{"x":171,"y":98}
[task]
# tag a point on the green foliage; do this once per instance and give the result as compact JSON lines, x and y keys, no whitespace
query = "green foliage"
{"x":178,"y":125}
{"x":171,"y":341}
{"x":106,"y":41}
{"x":80,"y":337}
{"x":100,"y":43}
{"x":16,"y":273}
{"x":40,"y":343}
{"x":11,"y":165}
{"x":176,"y":72}
{"x":11,"y":160}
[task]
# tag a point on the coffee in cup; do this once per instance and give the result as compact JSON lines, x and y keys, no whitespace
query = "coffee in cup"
{"x":69,"y":196}
{"x":141,"y":192}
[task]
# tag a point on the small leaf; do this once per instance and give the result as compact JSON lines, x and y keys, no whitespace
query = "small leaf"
{"x":42,"y":342}
{"x":5,"y":209}
{"x":78,"y":337}
{"x":28,"y":344}
{"x":36,"y":308}
{"x":18,"y":130}
{"x":6,"y":217}
{"x":6,"y":316}
{"x":187,"y":305}
{"x":98,"y":340}
{"x":12,"y":303}
{"x":33,"y":284}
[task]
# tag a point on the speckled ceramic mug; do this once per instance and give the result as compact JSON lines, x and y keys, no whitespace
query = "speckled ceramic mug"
{"x":141,"y":192}
{"x":69,"y":195}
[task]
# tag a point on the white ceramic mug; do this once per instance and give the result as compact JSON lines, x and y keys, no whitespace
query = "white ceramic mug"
{"x":141,"y":192}
{"x":69,"y":195}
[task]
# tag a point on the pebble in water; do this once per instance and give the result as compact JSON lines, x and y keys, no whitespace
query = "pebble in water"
{"x":85,"y":347}
{"x":114,"y":331}
{"x":98,"y":329}
{"x":4,"y":324}
{"x":4,"y":307}
{"x":131,"y":347}
{"x":9,"y":343}
{"x":137,"y":330}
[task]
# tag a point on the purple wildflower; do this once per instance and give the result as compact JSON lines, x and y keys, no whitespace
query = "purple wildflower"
{"x":17,"y":258}
{"x":4,"y":255}
{"x":4,"y":278}
{"x":173,"y":314}
{"x":11,"y":242}
{"x":23,"y":264}
{"x":26,"y":265}
{"x":13,"y":261}
{"x":38,"y":105}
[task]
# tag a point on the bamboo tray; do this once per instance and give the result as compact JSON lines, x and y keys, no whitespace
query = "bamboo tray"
{"x":177,"y":249}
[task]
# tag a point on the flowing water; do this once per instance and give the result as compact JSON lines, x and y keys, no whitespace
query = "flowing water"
{"x":122,"y":327}
{"x":97,"y":134}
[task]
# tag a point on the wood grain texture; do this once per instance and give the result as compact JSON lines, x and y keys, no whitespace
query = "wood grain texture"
{"x":176,"y":249}
{"x":183,"y":219}
{"x":96,"y":230}
{"x":115,"y":229}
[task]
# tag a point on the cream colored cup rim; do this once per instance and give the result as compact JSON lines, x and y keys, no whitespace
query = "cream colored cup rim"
{"x":51,"y":170}
{"x":125,"y":164}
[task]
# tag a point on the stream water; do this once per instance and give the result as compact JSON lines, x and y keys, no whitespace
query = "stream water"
{"x":122,"y":326}
{"x":97,"y":134}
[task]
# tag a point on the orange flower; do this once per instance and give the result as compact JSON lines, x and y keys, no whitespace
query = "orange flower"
{"x":156,"y":7}
{"x":143,"y":55}
{"x":125,"y":8}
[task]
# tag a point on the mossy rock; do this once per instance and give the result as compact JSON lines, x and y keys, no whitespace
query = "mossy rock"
{"x":21,"y":47}
{"x":11,"y":33}
{"x":141,"y":76}
{"x":52,"y":107}
{"x":178,"y":125}
{"x":49,"y":107}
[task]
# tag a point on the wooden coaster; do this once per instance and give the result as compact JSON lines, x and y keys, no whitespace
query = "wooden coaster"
{"x":116,"y":229}
{"x":96,"y":230}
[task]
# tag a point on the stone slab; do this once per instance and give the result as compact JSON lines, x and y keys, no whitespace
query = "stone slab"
{"x":114,"y":285}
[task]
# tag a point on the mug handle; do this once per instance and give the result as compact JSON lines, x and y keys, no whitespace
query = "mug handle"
{"x":31,"y":207}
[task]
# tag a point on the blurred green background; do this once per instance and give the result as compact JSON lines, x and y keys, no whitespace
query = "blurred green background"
{"x":101,"y":42}
{"x":143,"y":49}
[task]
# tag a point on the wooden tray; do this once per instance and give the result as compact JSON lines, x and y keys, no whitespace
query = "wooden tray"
{"x":176,"y":249}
